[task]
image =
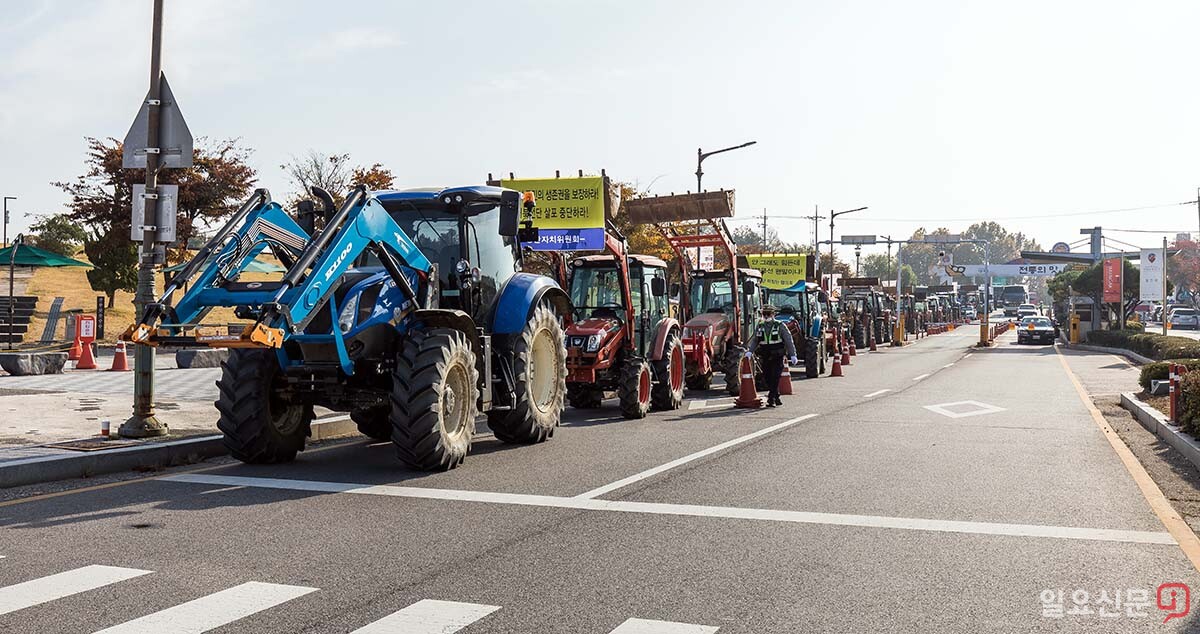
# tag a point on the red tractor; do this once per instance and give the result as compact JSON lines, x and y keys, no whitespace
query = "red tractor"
{"x":622,"y":337}
{"x":721,"y":307}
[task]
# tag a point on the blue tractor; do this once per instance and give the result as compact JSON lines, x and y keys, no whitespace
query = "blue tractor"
{"x":407,"y":309}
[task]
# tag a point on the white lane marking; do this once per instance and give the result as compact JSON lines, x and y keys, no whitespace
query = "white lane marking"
{"x":923,"y":376}
{"x":688,"y":510}
{"x":64,"y":584}
{"x":212,"y":611}
{"x":637,"y":477}
{"x":877,"y":392}
{"x":948,"y":365}
{"x":697,"y":405}
{"x":429,"y":617}
{"x":645,"y":626}
{"x":977,"y":408}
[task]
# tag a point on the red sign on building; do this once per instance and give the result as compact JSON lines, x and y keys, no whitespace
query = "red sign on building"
{"x":1112,"y":280}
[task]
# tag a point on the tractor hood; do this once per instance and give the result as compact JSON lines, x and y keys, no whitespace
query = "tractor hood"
{"x":594,"y":326}
{"x":705,"y":320}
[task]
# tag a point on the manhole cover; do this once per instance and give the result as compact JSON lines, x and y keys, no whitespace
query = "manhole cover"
{"x":93,"y":444}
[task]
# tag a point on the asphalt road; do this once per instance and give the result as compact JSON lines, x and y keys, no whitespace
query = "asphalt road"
{"x":932,"y":489}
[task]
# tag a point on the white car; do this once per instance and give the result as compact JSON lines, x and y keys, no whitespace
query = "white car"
{"x":1185,"y":318}
{"x":1027,"y":310}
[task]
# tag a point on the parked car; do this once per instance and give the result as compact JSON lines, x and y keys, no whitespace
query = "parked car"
{"x":1185,"y":318}
{"x":1036,"y":329}
{"x":970,"y":313}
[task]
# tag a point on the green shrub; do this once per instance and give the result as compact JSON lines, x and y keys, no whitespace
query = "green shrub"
{"x":1189,"y":403}
{"x":1160,"y":370}
{"x":1135,"y":326}
{"x":1148,"y":345}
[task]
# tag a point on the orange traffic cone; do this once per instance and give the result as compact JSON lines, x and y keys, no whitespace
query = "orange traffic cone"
{"x":845,"y":355}
{"x":837,"y":366}
{"x":873,"y":348}
{"x":75,"y":351}
{"x":748,"y":397}
{"x":853,"y":350}
{"x":785,"y":380}
{"x":120,"y":361}
{"x":86,"y":360}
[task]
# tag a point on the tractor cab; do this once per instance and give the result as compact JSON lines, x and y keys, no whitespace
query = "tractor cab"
{"x":601,"y":312}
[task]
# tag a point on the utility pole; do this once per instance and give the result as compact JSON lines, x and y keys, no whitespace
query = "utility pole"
{"x":1164,"y":280}
{"x":143,"y":423}
{"x":764,"y":230}
{"x":6,"y":199}
{"x":816,"y":217}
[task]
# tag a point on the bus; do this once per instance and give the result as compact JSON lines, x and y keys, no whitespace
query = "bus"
{"x":1013,"y":296}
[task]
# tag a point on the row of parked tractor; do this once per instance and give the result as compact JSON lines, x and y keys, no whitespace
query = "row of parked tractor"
{"x":415,"y":312}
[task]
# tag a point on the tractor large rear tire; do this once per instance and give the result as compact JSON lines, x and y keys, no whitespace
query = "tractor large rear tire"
{"x":858,"y":335}
{"x":540,"y":366}
{"x":733,"y":364}
{"x":812,"y":358}
{"x":667,"y":393}
{"x":259,"y":426}
{"x":583,"y":396}
{"x":373,"y":422}
{"x":434,"y":399}
{"x":634,"y":388}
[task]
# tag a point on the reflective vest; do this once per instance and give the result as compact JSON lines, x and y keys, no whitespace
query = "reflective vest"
{"x":768,"y":334}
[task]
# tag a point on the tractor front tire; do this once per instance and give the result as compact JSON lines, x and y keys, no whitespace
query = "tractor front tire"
{"x":634,"y":389}
{"x":540,"y":366}
{"x":733,"y":369}
{"x":434,"y":399}
{"x":700,"y":381}
{"x":582,"y":396}
{"x":259,"y":426}
{"x":373,"y":422}
{"x":667,"y":393}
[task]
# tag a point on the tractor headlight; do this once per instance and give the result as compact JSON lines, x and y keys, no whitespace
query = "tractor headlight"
{"x":593,"y":342}
{"x":346,"y":318}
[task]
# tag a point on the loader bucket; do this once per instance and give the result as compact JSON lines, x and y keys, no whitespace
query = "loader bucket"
{"x":680,"y":207}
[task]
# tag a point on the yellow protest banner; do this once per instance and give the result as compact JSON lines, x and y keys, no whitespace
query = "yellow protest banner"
{"x":569,"y":214}
{"x":783,"y":272}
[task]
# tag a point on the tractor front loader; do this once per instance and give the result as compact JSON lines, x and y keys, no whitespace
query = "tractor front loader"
{"x":407,"y":310}
{"x":622,"y":337}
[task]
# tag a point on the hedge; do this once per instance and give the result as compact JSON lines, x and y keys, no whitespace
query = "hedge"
{"x":1189,"y":403}
{"x":1148,"y":345}
{"x":1160,"y":370}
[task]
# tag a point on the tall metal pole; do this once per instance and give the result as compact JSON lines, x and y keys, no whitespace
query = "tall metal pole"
{"x":764,"y":229}
{"x":1164,"y":281}
{"x":143,"y":423}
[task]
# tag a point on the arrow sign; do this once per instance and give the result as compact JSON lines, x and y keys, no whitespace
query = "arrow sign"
{"x":174,"y":138}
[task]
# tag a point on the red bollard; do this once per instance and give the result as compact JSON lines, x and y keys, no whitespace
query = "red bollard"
{"x":1172,"y":377}
{"x":748,"y":396}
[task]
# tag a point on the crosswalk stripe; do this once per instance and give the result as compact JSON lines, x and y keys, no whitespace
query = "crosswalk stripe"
{"x":212,"y":611}
{"x":64,"y":584}
{"x":645,"y":626}
{"x":429,"y":617}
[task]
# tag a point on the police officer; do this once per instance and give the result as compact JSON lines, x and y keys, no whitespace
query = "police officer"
{"x":771,"y":340}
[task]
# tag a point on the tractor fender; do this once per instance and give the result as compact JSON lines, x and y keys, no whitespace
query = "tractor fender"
{"x":815,"y":331}
{"x":451,"y":318}
{"x":660,"y":338}
{"x":521,"y":294}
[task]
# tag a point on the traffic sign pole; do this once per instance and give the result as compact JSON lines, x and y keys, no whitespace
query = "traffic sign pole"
{"x":143,"y":423}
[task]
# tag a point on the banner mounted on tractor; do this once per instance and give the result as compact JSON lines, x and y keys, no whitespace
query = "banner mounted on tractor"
{"x":570,"y":212}
{"x":783,"y":272}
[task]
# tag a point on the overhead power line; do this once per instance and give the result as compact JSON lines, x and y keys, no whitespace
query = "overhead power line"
{"x":995,"y":218}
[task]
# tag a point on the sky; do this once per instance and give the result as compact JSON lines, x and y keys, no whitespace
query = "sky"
{"x":1038,"y":115}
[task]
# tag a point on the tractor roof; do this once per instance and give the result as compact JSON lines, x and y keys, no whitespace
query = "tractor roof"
{"x":644,"y":260}
{"x":434,"y":193}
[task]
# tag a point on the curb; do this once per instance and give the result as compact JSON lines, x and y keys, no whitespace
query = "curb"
{"x":1128,"y":354}
{"x":1156,"y":423}
{"x":152,"y":455}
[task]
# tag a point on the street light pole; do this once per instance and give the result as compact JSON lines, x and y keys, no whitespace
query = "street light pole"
{"x":700,"y":156}
{"x":832,"y":216}
{"x":6,"y":199}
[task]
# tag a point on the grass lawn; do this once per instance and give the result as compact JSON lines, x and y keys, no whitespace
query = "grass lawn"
{"x":72,"y":285}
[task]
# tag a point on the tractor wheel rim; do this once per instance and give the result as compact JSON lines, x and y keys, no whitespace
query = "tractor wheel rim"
{"x":541,"y":371}
{"x":453,"y":401}
{"x":644,"y":385}
{"x":676,"y":368}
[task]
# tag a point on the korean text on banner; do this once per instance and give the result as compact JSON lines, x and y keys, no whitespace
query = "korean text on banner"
{"x":1112,"y":280}
{"x":1151,"y":276}
{"x":782,"y":272}
{"x":569,"y":214}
